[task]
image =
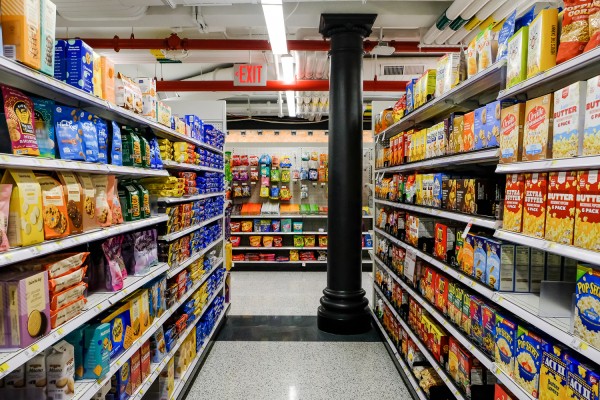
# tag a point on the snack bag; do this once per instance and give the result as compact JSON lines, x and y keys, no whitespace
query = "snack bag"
{"x":102,"y":130}
{"x":20,"y":119}
{"x":54,"y":210}
{"x":90,"y":136}
{"x":575,"y":32}
{"x":68,"y":134}
{"x":73,"y":198}
{"x":116,"y":145}
{"x":594,"y":23}
{"x":89,"y":201}
{"x":44,"y":126}
{"x":103,"y":214}
{"x":507,"y":30}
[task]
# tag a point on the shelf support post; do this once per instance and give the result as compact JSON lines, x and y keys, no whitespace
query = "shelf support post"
{"x":344,"y":308}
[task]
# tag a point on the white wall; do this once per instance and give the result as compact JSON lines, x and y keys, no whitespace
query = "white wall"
{"x":209,"y":111}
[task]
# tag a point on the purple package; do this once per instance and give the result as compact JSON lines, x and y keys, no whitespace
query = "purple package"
{"x":145,"y":251}
{"x":116,"y":271}
{"x":27,"y":315}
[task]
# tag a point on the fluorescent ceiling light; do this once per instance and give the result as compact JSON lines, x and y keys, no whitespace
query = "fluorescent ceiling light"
{"x":169,"y":3}
{"x":291,"y":102}
{"x":287,"y":66}
{"x":273,"y":11}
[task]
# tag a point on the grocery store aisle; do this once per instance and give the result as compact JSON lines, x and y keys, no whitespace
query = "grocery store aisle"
{"x":270,"y":347}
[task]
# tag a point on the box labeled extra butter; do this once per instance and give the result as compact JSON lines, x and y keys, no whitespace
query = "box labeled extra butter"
{"x":26,"y":307}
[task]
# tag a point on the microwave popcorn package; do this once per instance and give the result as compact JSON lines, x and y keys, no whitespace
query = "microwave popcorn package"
{"x":537,"y":135}
{"x":534,"y":206}
{"x":591,"y":133}
{"x":560,"y":214}
{"x":20,"y":124}
{"x":511,"y":132}
{"x":513,"y":202}
{"x":587,"y":211}
{"x":528,"y":360}
{"x":569,"y":106}
{"x":587,"y":307}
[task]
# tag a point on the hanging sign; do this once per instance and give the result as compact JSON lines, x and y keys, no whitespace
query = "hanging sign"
{"x":250,"y":75}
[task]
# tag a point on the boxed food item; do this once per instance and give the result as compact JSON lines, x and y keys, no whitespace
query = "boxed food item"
{"x":501,"y":393}
{"x":453,"y":351}
{"x":128,"y":94}
{"x":468,"y":135}
{"x":528,"y":360}
{"x":472,"y":58}
{"x":479,"y":258}
{"x":60,"y":372}
{"x":47,"y":34}
{"x":487,"y":48}
{"x":120,"y":381}
{"x":569,"y":106}
{"x":537,"y":135}
{"x":54,"y":208}
{"x":21,"y":31}
{"x":25,"y":222}
{"x":107,"y":71}
{"x":163,"y":113}
{"x":488,"y":320}
{"x":542,"y":44}
{"x":511,"y":133}
{"x":582,"y":381}
{"x":560,"y":214}
{"x":166,"y":380}
{"x":505,"y":340}
{"x":121,"y":332}
{"x":465,"y":318}
{"x":591,"y":135}
{"x":426,"y":88}
{"x":97,"y":76}
{"x":516,"y":62}
{"x":513,"y":202}
{"x":553,"y":373}
{"x":455,"y":134}
{"x":587,"y":211}
{"x":522,"y":269}
{"x":587,"y":305}
{"x":534,"y":205}
{"x":20,"y":124}
{"x":476,"y":320}
{"x":35,"y":376}
{"x":480,"y":122}
{"x":449,"y":73}
{"x":149,"y":98}
{"x":468,"y":254}
{"x":80,"y":65}
{"x":97,"y":353}
{"x":73,"y":198}
{"x":493,"y":266}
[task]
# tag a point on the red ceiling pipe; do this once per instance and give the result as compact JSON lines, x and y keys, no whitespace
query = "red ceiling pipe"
{"x":174,"y":42}
{"x":272,"y":86}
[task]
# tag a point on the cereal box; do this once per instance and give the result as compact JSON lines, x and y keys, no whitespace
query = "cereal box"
{"x":505,"y":342}
{"x":480,"y":120}
{"x":587,"y":308}
{"x":516,"y":64}
{"x":468,"y":136}
{"x":21,"y":31}
{"x":553,"y":373}
{"x":513,"y":202}
{"x":542,"y":44}
{"x":560,"y":214}
{"x":528,"y":360}
{"x":534,"y":205}
{"x":587,"y":211}
{"x":582,"y":381}
{"x":591,"y":133}
{"x":569,"y":104}
{"x":537,"y":135}
{"x":511,"y":133}
{"x":410,"y":99}
{"x":107,"y":70}
{"x":479,"y":258}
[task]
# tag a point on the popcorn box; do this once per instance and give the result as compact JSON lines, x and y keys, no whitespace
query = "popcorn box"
{"x":560,"y":214}
{"x":516,"y":64}
{"x":528,"y":360}
{"x":25,"y":221}
{"x":534,"y":205}
{"x":587,"y":211}
{"x":48,"y":28}
{"x":553,"y":373}
{"x":542,"y":42}
{"x":468,"y":136}
{"x":568,"y":125}
{"x":582,"y":381}
{"x":591,"y":133}
{"x":537,"y":135}
{"x":80,"y":65}
{"x":107,"y":80}
{"x":505,"y":344}
{"x":587,"y":296}
{"x":512,"y":120}
{"x":21,"y":31}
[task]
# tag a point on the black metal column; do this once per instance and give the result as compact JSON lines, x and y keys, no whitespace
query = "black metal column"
{"x":344,"y":308}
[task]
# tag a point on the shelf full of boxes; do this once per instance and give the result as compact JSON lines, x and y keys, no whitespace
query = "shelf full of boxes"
{"x":279,"y":216}
{"x":472,"y":260}
{"x":84,"y":197}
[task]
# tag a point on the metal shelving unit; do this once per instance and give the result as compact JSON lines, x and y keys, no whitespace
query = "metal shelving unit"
{"x":486,"y":156}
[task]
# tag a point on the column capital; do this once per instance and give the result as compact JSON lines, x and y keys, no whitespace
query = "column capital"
{"x":331,"y":24}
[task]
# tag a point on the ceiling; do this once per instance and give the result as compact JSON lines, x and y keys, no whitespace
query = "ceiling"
{"x":404,"y":20}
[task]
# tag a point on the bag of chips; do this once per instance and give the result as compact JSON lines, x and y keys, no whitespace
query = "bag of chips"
{"x":89,"y":136}
{"x":102,"y":130}
{"x":255,"y":241}
{"x":113,"y":263}
{"x":298,"y":241}
{"x":575,"y":33}
{"x":594,"y":23}
{"x":20,"y":119}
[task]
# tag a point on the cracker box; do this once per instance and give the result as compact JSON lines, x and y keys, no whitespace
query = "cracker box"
{"x":80,"y":65}
{"x":528,"y":360}
{"x":560,"y":214}
{"x":511,"y":133}
{"x":468,"y":136}
{"x":145,"y":360}
{"x":553,"y":373}
{"x":25,"y":221}
{"x":492,"y":263}
{"x":542,"y":43}
{"x":534,"y":205}
{"x":120,"y":381}
{"x":163,"y":113}
{"x":453,"y":350}
{"x":587,"y":211}
{"x":121,"y":333}
{"x":587,"y":308}
{"x":135,"y":379}
{"x":569,"y":106}
{"x":582,"y":381}
{"x":97,"y":75}
{"x":149,"y":98}
{"x":455,"y":138}
{"x":54,"y":208}
{"x":516,"y":62}
{"x":591,"y":133}
{"x":27,"y":308}
{"x":513,"y":202}
{"x":537,"y":134}
{"x":505,"y":341}
{"x":47,"y":33}
{"x":441,"y":293}
{"x":107,"y":70}
{"x":97,"y":353}
{"x":480,"y":121}
{"x":21,"y":31}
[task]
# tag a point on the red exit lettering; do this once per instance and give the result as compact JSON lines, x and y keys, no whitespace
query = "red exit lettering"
{"x":250,"y":74}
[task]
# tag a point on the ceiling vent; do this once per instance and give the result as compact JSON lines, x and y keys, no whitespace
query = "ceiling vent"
{"x":397,"y":72}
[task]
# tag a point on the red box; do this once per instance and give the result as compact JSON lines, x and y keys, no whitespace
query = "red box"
{"x":145,"y":360}
{"x":441,"y":293}
{"x":500,"y":393}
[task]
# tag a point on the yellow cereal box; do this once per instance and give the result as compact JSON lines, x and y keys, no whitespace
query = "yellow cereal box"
{"x":25,"y":221}
{"x":542,"y":44}
{"x":569,"y":103}
{"x":513,"y":202}
{"x":587,"y":211}
{"x":537,"y":134}
{"x":534,"y":204}
{"x":511,"y":133}
{"x":591,"y":133}
{"x":21,"y":31}
{"x":560,"y":214}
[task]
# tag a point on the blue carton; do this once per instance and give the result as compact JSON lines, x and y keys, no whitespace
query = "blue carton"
{"x":410,"y":98}
{"x":60,"y":60}
{"x":479,"y":128}
{"x":80,"y":65}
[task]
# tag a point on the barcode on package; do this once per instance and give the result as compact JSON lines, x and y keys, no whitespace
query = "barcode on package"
{"x":10,"y":51}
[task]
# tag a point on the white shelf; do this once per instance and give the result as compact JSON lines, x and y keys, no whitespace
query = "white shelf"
{"x":169,"y":164}
{"x":582,"y":67}
{"x":175,"y":200}
{"x":97,"y":303}
{"x":437,"y":212}
{"x":85,"y":389}
{"x":473,"y":157}
{"x":175,"y":270}
{"x":407,"y":371}
{"x":287,"y":248}
{"x":293,"y":216}
{"x":176,"y":235}
{"x":18,"y":254}
{"x":434,"y":363}
{"x":467,"y":95}
{"x":279,"y":262}
{"x":565,"y":250}
{"x":564,"y":164}
{"x":27,"y":79}
{"x":282,"y":233}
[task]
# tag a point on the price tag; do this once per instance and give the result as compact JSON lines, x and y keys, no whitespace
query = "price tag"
{"x":99,"y":307}
{"x":3,"y":367}
{"x":467,"y":229}
{"x":583,"y":346}
{"x":35,"y":348}
{"x":60,"y":331}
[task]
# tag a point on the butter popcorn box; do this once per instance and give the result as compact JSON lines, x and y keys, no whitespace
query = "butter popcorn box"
{"x":591,"y":132}
{"x":513,"y":202}
{"x":537,"y":137}
{"x":534,"y":207}
{"x":560,"y":211}
{"x":569,"y":103}
{"x":587,"y":211}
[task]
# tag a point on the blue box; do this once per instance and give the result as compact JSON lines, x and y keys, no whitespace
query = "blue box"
{"x":410,"y":98}
{"x":60,"y":60}
{"x":80,"y":65}
{"x":479,"y":128}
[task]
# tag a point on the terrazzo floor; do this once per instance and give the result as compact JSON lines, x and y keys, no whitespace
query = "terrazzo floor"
{"x":270,"y":347}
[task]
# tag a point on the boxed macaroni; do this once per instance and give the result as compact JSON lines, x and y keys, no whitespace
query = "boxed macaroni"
{"x":534,"y":205}
{"x":512,"y":219}
{"x":587,"y":307}
{"x":21,"y":31}
{"x":537,"y":135}
{"x":587,"y":211}
{"x":569,"y":106}
{"x":542,"y":44}
{"x":512,"y":120}
{"x":560,"y":211}
{"x":591,"y":133}
{"x":553,"y":373}
{"x":528,"y":360}
{"x":516,"y":64}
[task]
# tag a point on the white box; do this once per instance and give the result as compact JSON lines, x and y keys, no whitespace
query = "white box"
{"x":569,"y":106}
{"x":591,"y":135}
{"x":148,"y":88}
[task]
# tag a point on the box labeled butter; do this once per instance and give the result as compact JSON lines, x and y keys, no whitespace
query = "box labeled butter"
{"x":21,"y":31}
{"x":591,"y":133}
{"x":560,"y":213}
{"x":569,"y":117}
{"x":534,"y":205}
{"x":512,"y":120}
{"x":587,"y":210}
{"x":537,"y":134}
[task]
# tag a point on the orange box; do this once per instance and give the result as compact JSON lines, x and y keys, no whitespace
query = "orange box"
{"x":534,"y":205}
{"x":560,"y":211}
{"x":407,"y":142}
{"x":537,"y":134}
{"x":513,"y":203}
{"x":107,"y":70}
{"x":587,"y":211}
{"x":468,"y":135}
{"x":21,"y":30}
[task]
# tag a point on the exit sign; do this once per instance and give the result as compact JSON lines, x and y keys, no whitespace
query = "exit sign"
{"x":250,"y":75}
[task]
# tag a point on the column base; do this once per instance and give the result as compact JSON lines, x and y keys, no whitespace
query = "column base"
{"x":344,"y":312}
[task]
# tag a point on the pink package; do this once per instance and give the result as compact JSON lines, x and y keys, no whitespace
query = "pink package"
{"x":114,"y":264}
{"x":5,"y":192}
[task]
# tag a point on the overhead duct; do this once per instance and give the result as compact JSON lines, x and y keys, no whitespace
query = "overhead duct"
{"x":453,"y":12}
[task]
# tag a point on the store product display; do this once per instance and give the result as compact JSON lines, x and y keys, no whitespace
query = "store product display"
{"x":175,"y":252}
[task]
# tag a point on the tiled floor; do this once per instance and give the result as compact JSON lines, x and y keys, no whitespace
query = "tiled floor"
{"x":270,"y":347}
